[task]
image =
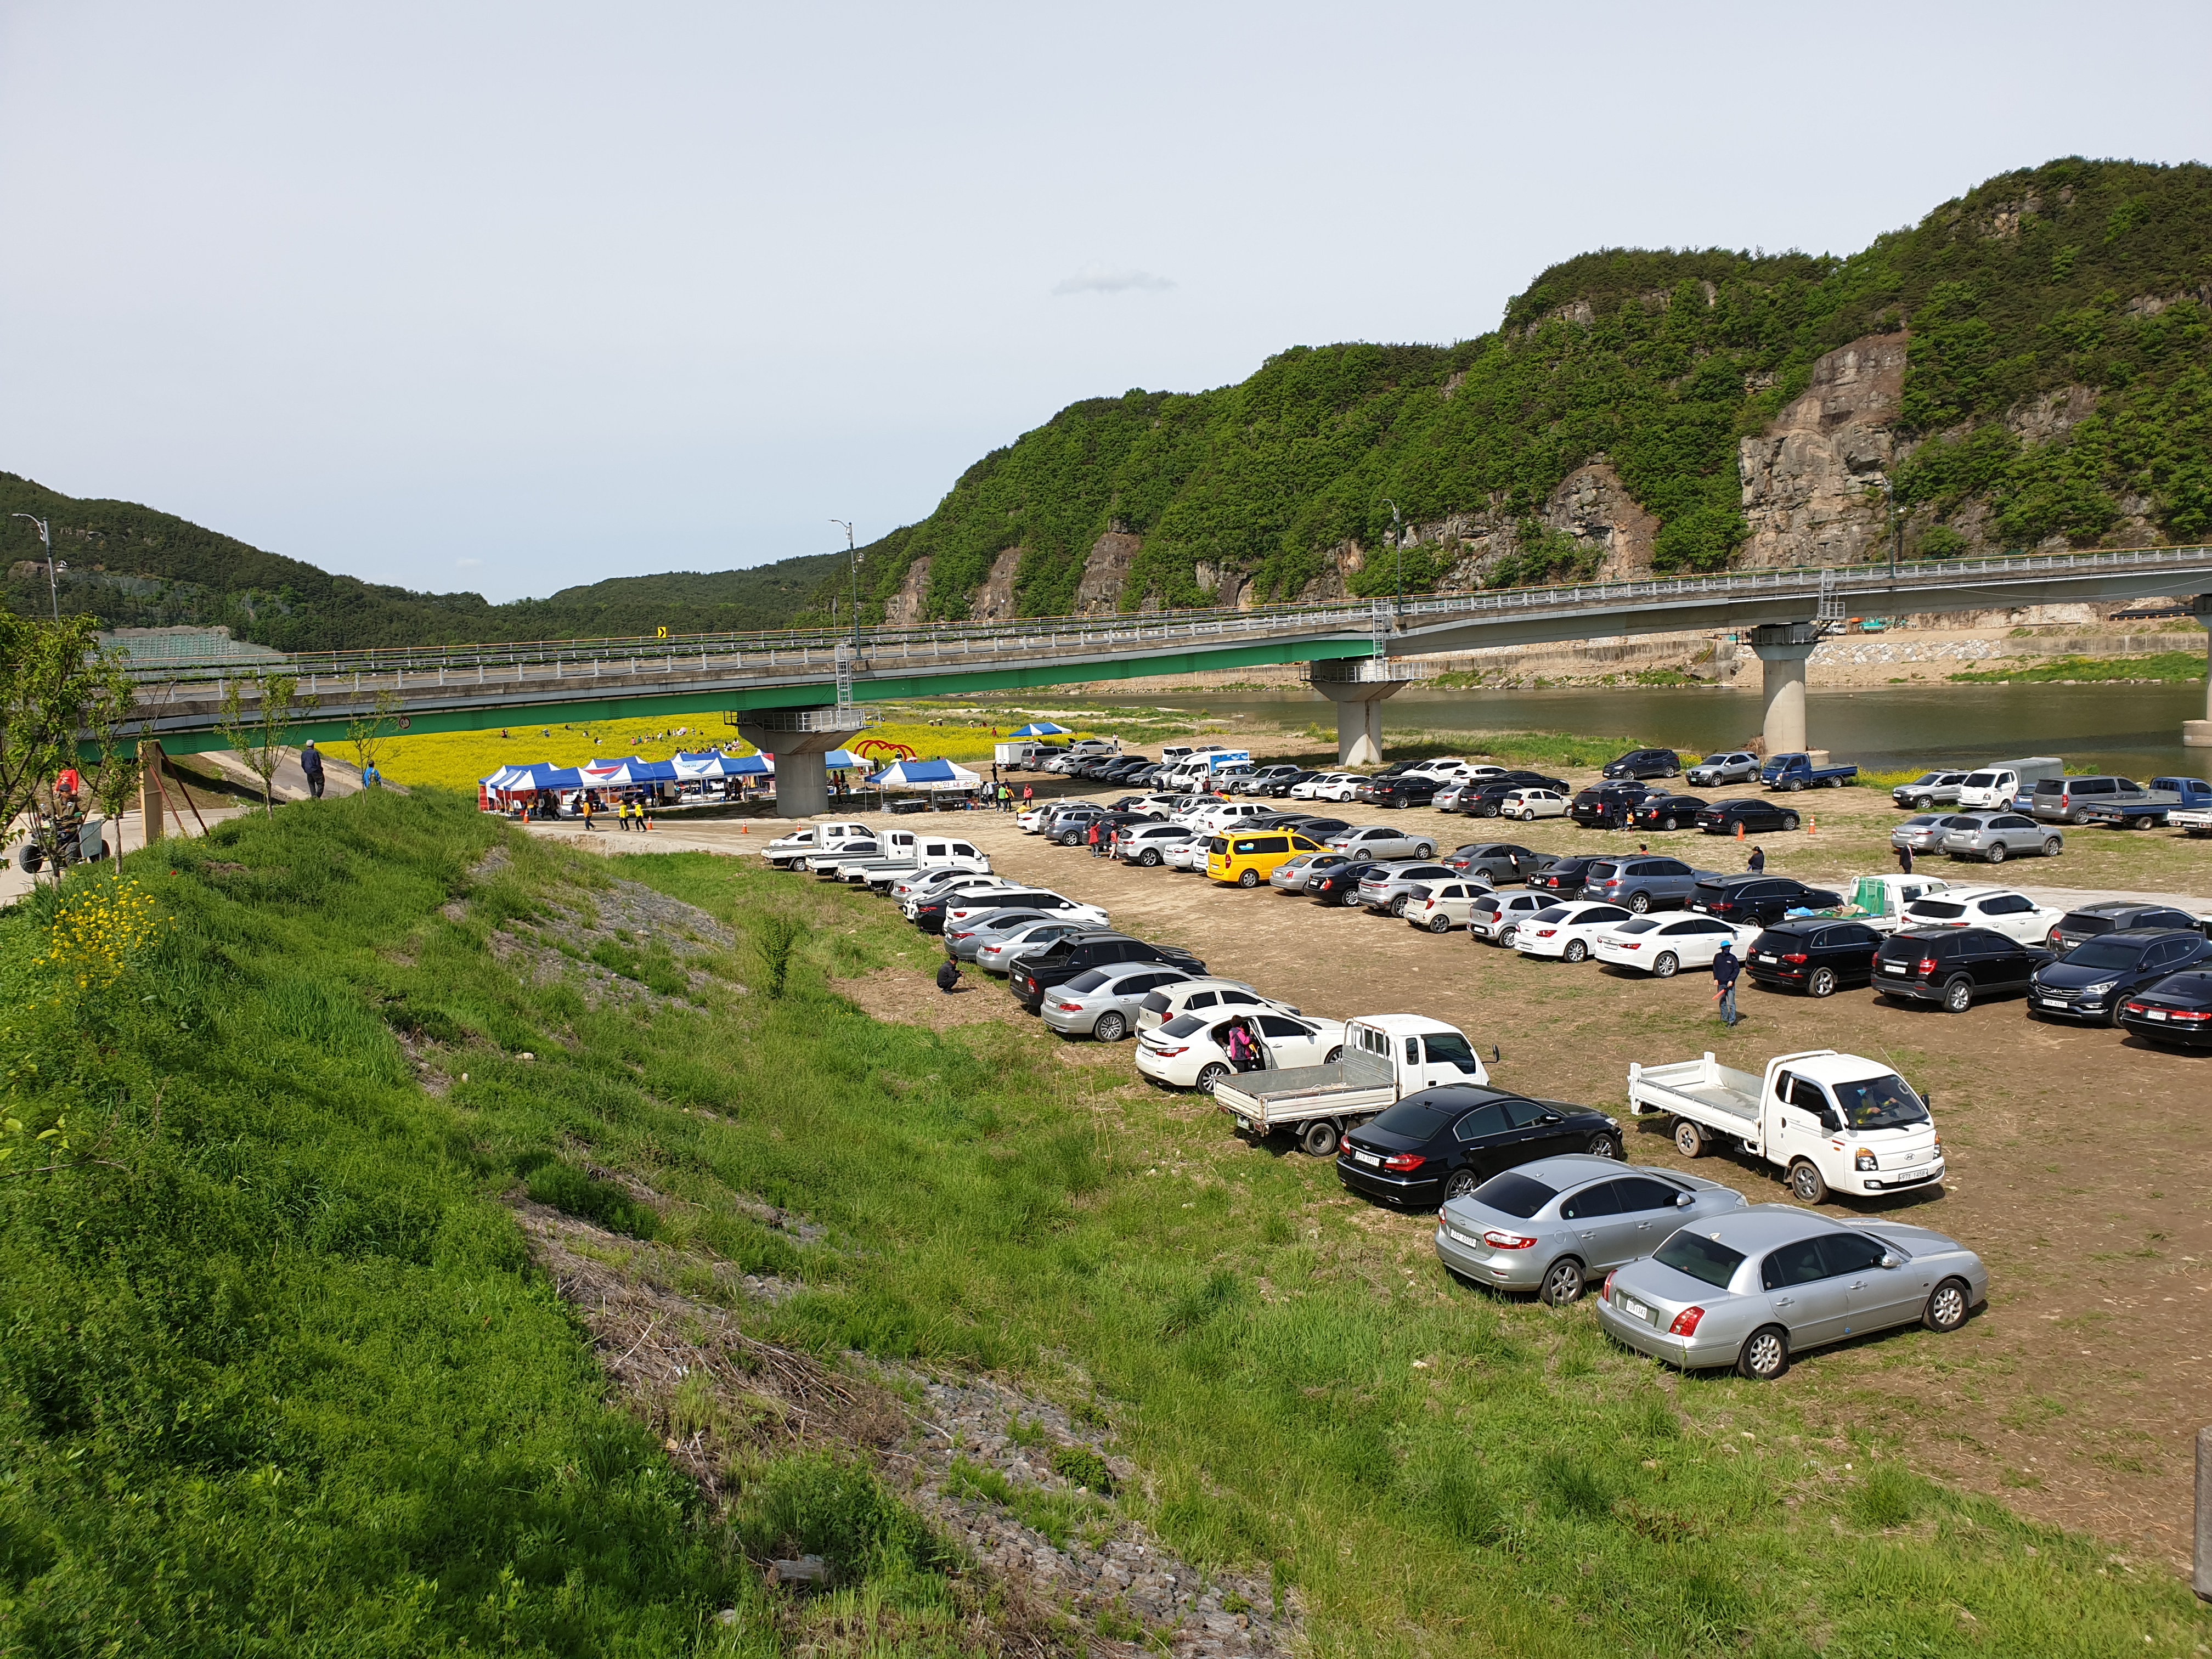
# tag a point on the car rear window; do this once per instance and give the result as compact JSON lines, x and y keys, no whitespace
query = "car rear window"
{"x":1641,"y":925}
{"x":1712,"y":892}
{"x":1417,"y":1119}
{"x":1552,"y":913}
{"x":1940,"y":909}
{"x":1183,"y":1025}
{"x":1089,"y":981}
{"x":1705,"y":1260}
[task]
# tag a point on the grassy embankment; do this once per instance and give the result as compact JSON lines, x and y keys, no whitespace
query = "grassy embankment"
{"x":2162,"y":666}
{"x":278,"y":1377}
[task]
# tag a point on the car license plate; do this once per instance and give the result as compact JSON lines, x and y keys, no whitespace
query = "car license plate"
{"x":1368,"y":1158}
{"x":1765,"y":955}
{"x":1243,"y":1123}
{"x":1701,"y":907}
{"x":2054,"y":1002}
{"x":1894,"y":968}
{"x":1634,"y":1309}
{"x":2153,"y":1013}
{"x":1472,"y":1244}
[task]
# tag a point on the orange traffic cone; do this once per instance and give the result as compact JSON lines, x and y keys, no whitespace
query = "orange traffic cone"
{"x":1812,"y":826}
{"x":1738,"y":828}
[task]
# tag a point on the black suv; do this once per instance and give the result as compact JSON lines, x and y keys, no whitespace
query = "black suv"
{"x":1817,"y":957}
{"x":1954,"y":967}
{"x":1667,"y":812}
{"x":2091,"y":981}
{"x":2114,"y":916}
{"x":1603,"y":805}
{"x":1412,"y":789}
{"x":1645,"y":763}
{"x":1065,"y":958}
{"x":1763,"y":899}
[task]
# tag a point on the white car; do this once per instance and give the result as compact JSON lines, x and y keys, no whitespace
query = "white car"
{"x":1447,"y":906}
{"x":1191,"y":1052}
{"x":1564,"y":931}
{"x":1443,"y":766}
{"x":1329,"y":785}
{"x":2001,"y":909}
{"x":1219,"y":820}
{"x":974,"y":885}
{"x":1148,"y":844}
{"x":961,"y":911}
{"x":1186,"y":855}
{"x":1662,"y":946}
{"x":1199,"y":996}
{"x":1529,"y":805}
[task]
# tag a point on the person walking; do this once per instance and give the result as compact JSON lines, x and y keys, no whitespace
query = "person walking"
{"x":1029,"y":796}
{"x":1904,"y":860}
{"x":1726,"y":968}
{"x":586,"y":808}
{"x":1757,"y":863}
{"x":371,"y":778}
{"x":311,"y":763}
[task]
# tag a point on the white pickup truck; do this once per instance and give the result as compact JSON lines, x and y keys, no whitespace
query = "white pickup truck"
{"x":785,"y":851}
{"x":2191,"y":820}
{"x":1386,"y":1058}
{"x":1834,"y":1122}
{"x":1879,"y":901}
{"x":907,"y":852}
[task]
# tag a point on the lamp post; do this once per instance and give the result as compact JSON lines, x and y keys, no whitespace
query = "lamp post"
{"x":853,"y":554}
{"x":1398,"y":541}
{"x":46,"y":537}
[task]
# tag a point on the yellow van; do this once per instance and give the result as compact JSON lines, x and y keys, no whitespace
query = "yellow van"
{"x":1249,"y":860}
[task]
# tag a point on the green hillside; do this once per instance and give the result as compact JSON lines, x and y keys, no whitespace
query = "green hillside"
{"x":2090,"y":274}
{"x":134,"y":567}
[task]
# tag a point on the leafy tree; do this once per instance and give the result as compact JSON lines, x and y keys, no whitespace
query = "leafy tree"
{"x":365,"y":734}
{"x":257,"y":737}
{"x":56,"y":687}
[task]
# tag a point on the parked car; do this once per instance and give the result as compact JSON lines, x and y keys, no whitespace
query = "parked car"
{"x":963,"y":942}
{"x":1104,"y":1002}
{"x":1265,"y":778}
{"x":1760,"y":900}
{"x":1204,"y":996}
{"x":1322,"y":829}
{"x":1411,"y":1156}
{"x":1292,"y":875}
{"x":1667,"y":812}
{"x":1188,"y":856}
{"x":1641,"y":882}
{"x":1662,"y":946}
{"x":1923,"y":832}
{"x":1930,"y":789}
{"x":1496,"y":918}
{"x":1564,"y":931}
{"x":1496,"y":861}
{"x":2090,"y":921}
{"x":1246,"y":861}
{"x":1483,"y":800}
{"x":1818,"y":957}
{"x":798,"y":844}
{"x":1339,"y":883}
{"x":1443,"y":905}
{"x":955,"y":911}
{"x":1276,"y":789}
{"x":1527,"y":804}
{"x":1412,"y":789}
{"x":2153,"y":808}
{"x":1993,"y":837}
{"x":2091,"y":982}
{"x":1328,"y":786}
{"x":2068,"y":800}
{"x":1756,"y":817}
{"x":1387,"y":888}
{"x":1375,"y":841}
{"x":1644,"y":763}
{"x":1563,"y":876}
{"x":1558,"y":1224}
{"x":2001,"y":909}
{"x":1796,"y":771}
{"x":1147,"y":844}
{"x":996,"y":953}
{"x":1954,"y":967}
{"x":2002,"y":784}
{"x":1603,"y":805}
{"x":1191,"y":1051}
{"x":1756,"y":1289}
{"x":2176,"y":1013}
{"x":1062,"y":960}
{"x":1386,"y":1058}
{"x":1728,"y":766}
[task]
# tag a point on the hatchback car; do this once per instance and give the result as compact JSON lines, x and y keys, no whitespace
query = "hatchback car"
{"x":1662,"y":946}
{"x":1815,"y":957}
{"x":2001,"y":909}
{"x":1564,"y":931}
{"x":1644,"y":763}
{"x":1729,"y":766}
{"x":1553,"y":1226}
{"x":1763,"y":900}
{"x":1496,"y":918}
{"x":2113,"y":916}
{"x":2176,"y":1013}
{"x":1444,"y":906}
{"x":1954,"y":967}
{"x":1755,"y":1289}
{"x":1993,"y":837}
{"x":1191,"y":1051}
{"x":2092,"y":981}
{"x":1496,"y":861}
{"x":1529,"y":805}
{"x":1409,"y":1156}
{"x":1754,"y":816}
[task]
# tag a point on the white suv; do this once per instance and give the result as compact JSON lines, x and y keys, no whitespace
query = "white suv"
{"x":2000,"y":909}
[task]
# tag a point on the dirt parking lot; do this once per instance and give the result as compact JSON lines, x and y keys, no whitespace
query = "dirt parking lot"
{"x":2077,"y":1158}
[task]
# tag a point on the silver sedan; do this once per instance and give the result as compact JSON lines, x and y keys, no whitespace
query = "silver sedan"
{"x":1923,"y":832}
{"x":1757,"y":1288}
{"x":996,"y":954}
{"x":1553,"y":1225}
{"x":1292,"y":874}
{"x":1993,"y":837}
{"x":963,"y":941}
{"x":1104,"y":1002}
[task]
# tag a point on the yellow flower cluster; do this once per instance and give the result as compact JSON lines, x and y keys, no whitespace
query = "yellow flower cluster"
{"x":99,"y":930}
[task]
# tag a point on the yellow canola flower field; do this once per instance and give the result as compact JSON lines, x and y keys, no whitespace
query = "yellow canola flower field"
{"x":97,"y":932}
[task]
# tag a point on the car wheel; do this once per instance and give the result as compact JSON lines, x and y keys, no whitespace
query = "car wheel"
{"x":1958,"y":996}
{"x":1563,"y":1283}
{"x":1150,"y":861}
{"x":1765,"y":1356}
{"x":1575,"y":950}
{"x":1795,"y":784}
{"x":1807,"y":1183}
{"x":1670,"y":823}
{"x":1249,"y":878}
{"x":2053,"y":846}
{"x":1823,"y":982}
{"x":1602,"y":1145}
{"x":1461,"y":1184}
{"x":1504,"y":939}
{"x":1487,"y":810}
{"x":1639,"y":903}
{"x":1949,"y":1304}
{"x":1789,"y":820}
{"x":1398,"y":905}
{"x":1440,"y":924}
{"x":1673,"y":772}
{"x":1210,"y":1075}
{"x":1332,"y":1056}
{"x":1110,"y":1028}
{"x":1424,"y":850}
{"x":1923,"y":803}
{"x":1996,"y":853}
{"x":1666,"y":965}
{"x":1318,"y":1138}
{"x":1689,"y":1138}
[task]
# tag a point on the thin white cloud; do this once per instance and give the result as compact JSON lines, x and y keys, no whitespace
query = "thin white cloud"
{"x":467,"y":564}
{"x":1096,"y":278}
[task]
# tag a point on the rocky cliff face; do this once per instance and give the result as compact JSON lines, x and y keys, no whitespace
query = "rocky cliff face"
{"x":994,"y":600}
{"x":1105,"y":567}
{"x":1811,"y":480}
{"x":904,"y":608}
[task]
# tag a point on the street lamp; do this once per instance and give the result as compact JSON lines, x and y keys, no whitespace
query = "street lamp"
{"x":854,"y":555}
{"x":1398,"y":543}
{"x":46,"y":536}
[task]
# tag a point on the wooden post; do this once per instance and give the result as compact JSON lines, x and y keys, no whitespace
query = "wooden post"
{"x":2204,"y":1514}
{"x":152,"y":798}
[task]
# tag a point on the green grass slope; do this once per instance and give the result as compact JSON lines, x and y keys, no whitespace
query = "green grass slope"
{"x":1661,"y":361}
{"x":275,"y":1377}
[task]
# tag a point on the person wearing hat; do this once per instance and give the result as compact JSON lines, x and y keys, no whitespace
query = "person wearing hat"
{"x":311,"y":763}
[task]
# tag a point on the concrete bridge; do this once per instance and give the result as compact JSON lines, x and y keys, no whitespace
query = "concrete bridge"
{"x":799,"y":693}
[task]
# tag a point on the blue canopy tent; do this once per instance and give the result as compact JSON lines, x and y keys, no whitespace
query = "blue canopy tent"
{"x":929,"y":775}
{"x":1043,"y":729}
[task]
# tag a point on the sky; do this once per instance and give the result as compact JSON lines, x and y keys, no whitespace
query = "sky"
{"x":509,"y":297}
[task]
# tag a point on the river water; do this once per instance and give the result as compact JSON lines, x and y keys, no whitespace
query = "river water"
{"x":2131,"y":729}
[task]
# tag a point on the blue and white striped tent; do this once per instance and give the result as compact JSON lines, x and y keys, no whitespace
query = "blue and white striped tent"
{"x":1042,"y":729}
{"x":932,"y":775}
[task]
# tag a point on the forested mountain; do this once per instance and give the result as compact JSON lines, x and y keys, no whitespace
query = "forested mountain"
{"x":2026,"y":366}
{"x":134,"y":567}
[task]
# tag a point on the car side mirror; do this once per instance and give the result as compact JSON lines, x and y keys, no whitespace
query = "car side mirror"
{"x":1683,"y":1201}
{"x":1890,"y":1260}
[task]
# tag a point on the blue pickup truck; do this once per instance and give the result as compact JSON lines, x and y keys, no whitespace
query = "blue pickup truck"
{"x":1798,"y":772}
{"x":2137,"y":808}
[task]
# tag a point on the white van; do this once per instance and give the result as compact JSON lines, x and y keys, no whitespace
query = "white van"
{"x":2000,"y":783}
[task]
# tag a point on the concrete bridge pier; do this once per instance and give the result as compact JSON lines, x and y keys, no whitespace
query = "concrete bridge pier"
{"x":2197,"y":734}
{"x":800,"y":739}
{"x":1782,"y":648}
{"x":1358,"y":686}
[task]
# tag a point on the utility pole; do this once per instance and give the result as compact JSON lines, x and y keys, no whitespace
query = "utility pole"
{"x":46,"y":536}
{"x":1398,"y":541}
{"x":853,"y":554}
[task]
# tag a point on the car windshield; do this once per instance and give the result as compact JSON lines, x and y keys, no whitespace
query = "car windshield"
{"x":1880,"y":1103}
{"x":1981,"y":779}
{"x":1940,"y":909}
{"x":1417,"y":1120}
{"x":1714,"y":759}
{"x":1705,"y":1260}
{"x":2105,"y":953}
{"x":1183,"y":1025}
{"x":1514,"y":1195}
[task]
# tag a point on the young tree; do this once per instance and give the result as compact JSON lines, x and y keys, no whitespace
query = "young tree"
{"x":366,"y":733}
{"x":257,"y":737}
{"x":56,"y":686}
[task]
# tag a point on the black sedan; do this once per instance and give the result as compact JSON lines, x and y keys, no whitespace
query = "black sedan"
{"x":1320,"y":828}
{"x":1412,"y":789}
{"x":1666,"y":812}
{"x":1339,"y":883}
{"x":2175,"y":1013}
{"x":1954,"y":967}
{"x":2090,"y":982}
{"x":1564,"y":877}
{"x":1817,"y":957}
{"x":1277,"y":788}
{"x":1445,"y":1142}
{"x":1644,"y":763}
{"x":1741,"y":900}
{"x":1722,"y":818}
